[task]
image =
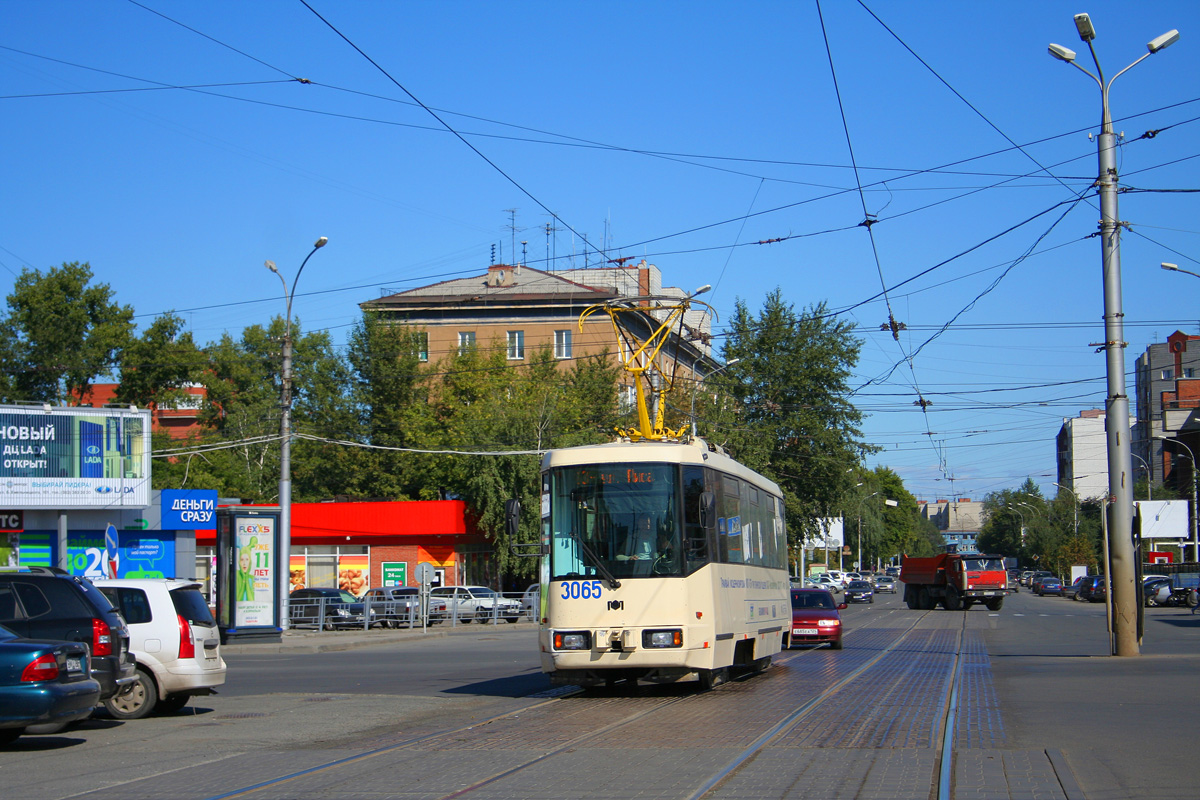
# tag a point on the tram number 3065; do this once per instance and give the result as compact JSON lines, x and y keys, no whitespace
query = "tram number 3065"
{"x":581,"y":590}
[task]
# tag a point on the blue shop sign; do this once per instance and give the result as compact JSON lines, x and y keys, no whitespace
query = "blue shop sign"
{"x":189,"y":509}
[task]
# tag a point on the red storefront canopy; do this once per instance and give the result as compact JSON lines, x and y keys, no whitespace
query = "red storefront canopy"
{"x":399,"y":522}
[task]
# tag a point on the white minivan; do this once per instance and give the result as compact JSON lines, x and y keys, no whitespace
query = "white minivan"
{"x":172,"y":637}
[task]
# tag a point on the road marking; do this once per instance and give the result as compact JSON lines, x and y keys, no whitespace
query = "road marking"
{"x":1015,"y":615}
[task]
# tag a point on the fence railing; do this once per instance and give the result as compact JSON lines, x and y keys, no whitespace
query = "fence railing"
{"x":333,"y":614}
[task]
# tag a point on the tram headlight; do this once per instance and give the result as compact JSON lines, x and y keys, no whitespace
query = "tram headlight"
{"x":572,"y":640}
{"x":667,"y":638}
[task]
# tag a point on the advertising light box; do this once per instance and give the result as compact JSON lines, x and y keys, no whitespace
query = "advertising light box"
{"x":65,"y":458}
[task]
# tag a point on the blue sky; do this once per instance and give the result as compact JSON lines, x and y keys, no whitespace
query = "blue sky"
{"x":680,"y":132}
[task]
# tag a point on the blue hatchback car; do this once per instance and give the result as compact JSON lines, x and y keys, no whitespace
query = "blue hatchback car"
{"x":42,"y":682}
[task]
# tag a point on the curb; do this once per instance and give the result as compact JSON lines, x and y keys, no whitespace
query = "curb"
{"x":311,"y":641}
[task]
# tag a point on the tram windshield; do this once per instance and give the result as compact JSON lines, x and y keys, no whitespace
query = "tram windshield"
{"x":620,"y":519}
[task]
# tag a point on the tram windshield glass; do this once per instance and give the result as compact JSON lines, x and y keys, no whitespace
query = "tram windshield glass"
{"x":616,"y":518}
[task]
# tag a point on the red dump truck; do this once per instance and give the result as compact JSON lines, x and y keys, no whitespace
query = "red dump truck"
{"x":956,"y":581}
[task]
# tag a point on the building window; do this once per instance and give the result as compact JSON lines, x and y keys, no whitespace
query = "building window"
{"x":1168,"y":375}
{"x":466,"y":341}
{"x":562,"y":344}
{"x":516,"y":344}
{"x":1189,"y":372}
{"x":421,"y":345}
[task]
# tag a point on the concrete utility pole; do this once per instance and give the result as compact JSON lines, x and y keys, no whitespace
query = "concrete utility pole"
{"x":1125,"y":594}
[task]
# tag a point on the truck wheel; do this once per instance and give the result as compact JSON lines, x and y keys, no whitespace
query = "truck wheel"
{"x":925,"y":600}
{"x":953,"y":601}
{"x":910,"y":598}
{"x":967,"y":603}
{"x":995,"y":603}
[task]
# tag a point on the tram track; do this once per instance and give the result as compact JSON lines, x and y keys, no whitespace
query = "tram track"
{"x":651,"y":707}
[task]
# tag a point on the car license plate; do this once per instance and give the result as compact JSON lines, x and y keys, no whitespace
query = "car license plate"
{"x":804,"y":631}
{"x":74,"y":664}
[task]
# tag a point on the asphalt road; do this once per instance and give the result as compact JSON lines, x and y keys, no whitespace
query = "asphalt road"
{"x":1123,"y":724}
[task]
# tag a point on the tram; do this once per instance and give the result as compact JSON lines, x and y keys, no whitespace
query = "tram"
{"x":663,"y":559}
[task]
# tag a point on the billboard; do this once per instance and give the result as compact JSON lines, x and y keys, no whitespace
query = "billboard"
{"x":64,"y":458}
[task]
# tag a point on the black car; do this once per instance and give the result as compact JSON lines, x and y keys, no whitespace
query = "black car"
{"x":859,"y":592}
{"x":1093,"y":588}
{"x":47,"y":603}
{"x":326,"y":608}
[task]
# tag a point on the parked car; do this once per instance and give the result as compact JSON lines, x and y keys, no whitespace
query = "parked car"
{"x":1036,"y":578}
{"x":174,"y":641}
{"x":1023,"y":578}
{"x":476,"y":603}
{"x":885,"y":583}
{"x":1093,"y":588}
{"x":1049,"y":585}
{"x":333,"y":608}
{"x":826,"y":582}
{"x":838,"y":576}
{"x":47,"y":603}
{"x":1073,"y":590}
{"x":860,"y":592}
{"x":815,"y":618}
{"x":43,"y":683}
{"x":394,"y":606}
{"x":1156,"y":591}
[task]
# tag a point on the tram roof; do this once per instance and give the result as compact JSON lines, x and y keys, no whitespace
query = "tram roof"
{"x":696,"y":451}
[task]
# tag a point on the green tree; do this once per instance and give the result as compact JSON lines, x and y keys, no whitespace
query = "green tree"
{"x":792,"y":419}
{"x":157,"y":366}
{"x":60,"y":334}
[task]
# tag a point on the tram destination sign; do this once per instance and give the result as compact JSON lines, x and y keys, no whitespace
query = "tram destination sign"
{"x":66,"y":458}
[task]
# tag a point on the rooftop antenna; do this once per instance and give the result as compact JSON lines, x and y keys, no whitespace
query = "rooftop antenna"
{"x":524,"y":260}
{"x":512,"y":228}
{"x":551,"y":260}
{"x":493,"y":261}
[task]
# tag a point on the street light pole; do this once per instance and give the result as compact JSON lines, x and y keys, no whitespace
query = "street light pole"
{"x":285,"y":440}
{"x":860,"y":506}
{"x":1195,"y":508}
{"x":1116,"y":421}
{"x":1075,"y":505}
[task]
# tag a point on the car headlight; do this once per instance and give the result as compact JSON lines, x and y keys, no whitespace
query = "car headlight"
{"x":343,"y":612}
{"x":667,"y":638}
{"x":572,"y":640}
{"x":828,"y":623}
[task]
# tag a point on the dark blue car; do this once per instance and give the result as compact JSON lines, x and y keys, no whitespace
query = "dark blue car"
{"x":1049,"y":585}
{"x":42,"y":683}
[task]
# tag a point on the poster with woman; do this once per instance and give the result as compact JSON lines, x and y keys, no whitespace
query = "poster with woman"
{"x":254,"y":597}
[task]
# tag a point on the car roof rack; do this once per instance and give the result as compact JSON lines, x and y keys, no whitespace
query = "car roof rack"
{"x":28,"y":570}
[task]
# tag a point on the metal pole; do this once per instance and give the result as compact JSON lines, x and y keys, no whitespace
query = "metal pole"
{"x":1126,"y":594}
{"x":285,"y":443}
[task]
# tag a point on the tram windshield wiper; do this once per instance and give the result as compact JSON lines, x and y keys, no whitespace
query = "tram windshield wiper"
{"x":597,"y":562}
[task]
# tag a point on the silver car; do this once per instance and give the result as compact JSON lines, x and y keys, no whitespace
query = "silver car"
{"x":475,"y":604}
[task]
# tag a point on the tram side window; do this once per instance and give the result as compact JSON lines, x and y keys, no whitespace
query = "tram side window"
{"x":729,"y":521}
{"x":695,"y":536}
{"x":779,"y":526}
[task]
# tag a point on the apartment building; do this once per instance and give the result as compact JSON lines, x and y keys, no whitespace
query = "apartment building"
{"x":521,"y":309}
{"x":1167,"y":388}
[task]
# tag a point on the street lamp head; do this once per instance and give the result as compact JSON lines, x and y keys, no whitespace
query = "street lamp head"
{"x":1170,"y":266}
{"x":1166,"y":40}
{"x":324,"y":240}
{"x":890,"y":502}
{"x":1061,"y":53}
{"x":705,"y":288}
{"x":271,"y":266}
{"x":1083,"y":24}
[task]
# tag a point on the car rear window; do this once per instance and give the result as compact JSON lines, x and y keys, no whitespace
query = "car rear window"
{"x":191,"y":605}
{"x":51,"y":599}
{"x":132,"y":603}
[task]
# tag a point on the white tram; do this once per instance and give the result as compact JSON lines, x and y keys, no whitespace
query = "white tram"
{"x":662,"y":560}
